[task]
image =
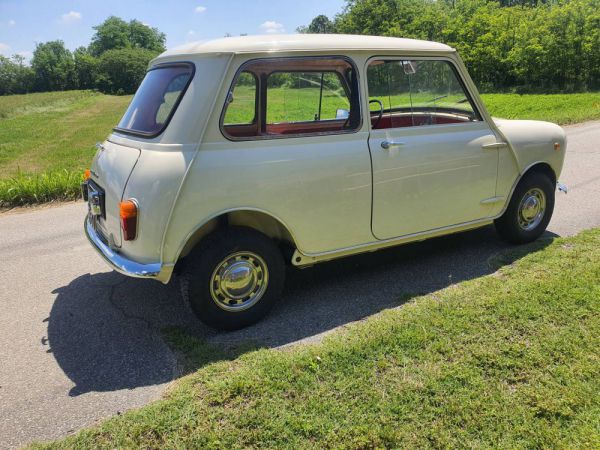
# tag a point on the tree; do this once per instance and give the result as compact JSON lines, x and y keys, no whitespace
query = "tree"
{"x":15,"y":76}
{"x":86,"y":67}
{"x":115,"y":33}
{"x":120,"y":71}
{"x":521,"y":45}
{"x":53,"y":66}
{"x":319,"y":25}
{"x":143,"y":36}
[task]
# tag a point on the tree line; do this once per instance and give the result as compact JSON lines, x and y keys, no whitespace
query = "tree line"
{"x":114,"y":62}
{"x":516,"y":45}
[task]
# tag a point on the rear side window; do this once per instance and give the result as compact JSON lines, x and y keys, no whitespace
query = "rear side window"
{"x":156,"y":100}
{"x":305,"y":97}
{"x":243,"y":110}
{"x":287,"y":97}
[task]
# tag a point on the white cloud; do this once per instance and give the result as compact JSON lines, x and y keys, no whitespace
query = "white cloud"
{"x":191,"y":33}
{"x":4,"y":48}
{"x":70,"y":17}
{"x":271,"y":27}
{"x":11,"y":23}
{"x":200,"y":9}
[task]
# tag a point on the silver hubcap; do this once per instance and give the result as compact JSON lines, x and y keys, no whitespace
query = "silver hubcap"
{"x":532,"y":209}
{"x":239,"y":281}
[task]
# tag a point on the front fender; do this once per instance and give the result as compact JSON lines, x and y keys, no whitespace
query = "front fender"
{"x":530,"y":142}
{"x":534,"y":141}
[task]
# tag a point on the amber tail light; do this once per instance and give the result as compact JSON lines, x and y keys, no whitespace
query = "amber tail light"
{"x":128,"y":211}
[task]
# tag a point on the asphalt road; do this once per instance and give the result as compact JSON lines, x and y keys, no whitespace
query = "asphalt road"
{"x":79,"y":343}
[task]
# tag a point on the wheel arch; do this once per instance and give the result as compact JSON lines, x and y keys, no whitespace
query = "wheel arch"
{"x":536,"y":167}
{"x":539,"y":167}
{"x":259,"y":220}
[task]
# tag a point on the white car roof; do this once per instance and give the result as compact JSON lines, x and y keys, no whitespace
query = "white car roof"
{"x":304,"y":42}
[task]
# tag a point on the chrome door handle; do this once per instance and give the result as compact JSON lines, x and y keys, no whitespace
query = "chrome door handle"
{"x":386,"y":145}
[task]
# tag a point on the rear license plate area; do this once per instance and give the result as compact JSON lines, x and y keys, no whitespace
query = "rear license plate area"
{"x":96,"y":200}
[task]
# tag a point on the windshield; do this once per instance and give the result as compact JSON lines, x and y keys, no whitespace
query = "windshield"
{"x":156,"y":100}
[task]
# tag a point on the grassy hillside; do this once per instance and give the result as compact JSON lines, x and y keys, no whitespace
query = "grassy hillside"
{"x":558,"y":108}
{"x":54,"y":130}
{"x":509,"y":360}
{"x":53,"y":134}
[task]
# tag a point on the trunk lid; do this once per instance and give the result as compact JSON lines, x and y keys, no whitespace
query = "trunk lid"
{"x":110,"y":171}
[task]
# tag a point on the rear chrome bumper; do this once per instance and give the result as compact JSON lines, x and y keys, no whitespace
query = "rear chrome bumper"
{"x":124,"y":265}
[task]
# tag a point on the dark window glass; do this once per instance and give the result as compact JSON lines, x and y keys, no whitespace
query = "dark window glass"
{"x":155,"y":100}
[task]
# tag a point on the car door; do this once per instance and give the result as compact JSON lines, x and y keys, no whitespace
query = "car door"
{"x":432,"y":163}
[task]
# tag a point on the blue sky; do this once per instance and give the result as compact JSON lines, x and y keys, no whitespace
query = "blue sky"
{"x":25,"y":22}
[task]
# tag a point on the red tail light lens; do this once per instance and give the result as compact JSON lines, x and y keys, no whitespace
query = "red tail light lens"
{"x":128,"y":211}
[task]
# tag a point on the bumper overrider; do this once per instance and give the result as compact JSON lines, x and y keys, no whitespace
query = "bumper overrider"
{"x":124,"y":265}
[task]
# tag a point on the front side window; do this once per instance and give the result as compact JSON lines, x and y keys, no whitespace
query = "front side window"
{"x":407,"y":93}
{"x":156,"y":99}
{"x":292,"y":96}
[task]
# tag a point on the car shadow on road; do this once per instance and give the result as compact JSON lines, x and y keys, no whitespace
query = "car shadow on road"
{"x":105,"y":330}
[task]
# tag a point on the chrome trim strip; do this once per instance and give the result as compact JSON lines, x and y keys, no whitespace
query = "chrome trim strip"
{"x":300,"y":259}
{"x":119,"y":262}
{"x":494,"y":145}
{"x":491,"y":200}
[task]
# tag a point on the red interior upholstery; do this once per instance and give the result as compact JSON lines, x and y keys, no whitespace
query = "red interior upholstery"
{"x":241,"y":131}
{"x":387,"y":121}
{"x":407,"y":120}
{"x":305,"y":127}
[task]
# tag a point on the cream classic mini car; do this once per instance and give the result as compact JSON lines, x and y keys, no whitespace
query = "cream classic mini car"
{"x":240,"y":155}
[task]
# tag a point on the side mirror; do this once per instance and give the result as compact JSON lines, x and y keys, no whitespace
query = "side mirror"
{"x":342,"y":114}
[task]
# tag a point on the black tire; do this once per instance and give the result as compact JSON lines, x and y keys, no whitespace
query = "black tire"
{"x":208,"y":256}
{"x":508,"y":226}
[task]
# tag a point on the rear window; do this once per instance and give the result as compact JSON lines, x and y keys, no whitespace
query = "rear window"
{"x":156,"y":100}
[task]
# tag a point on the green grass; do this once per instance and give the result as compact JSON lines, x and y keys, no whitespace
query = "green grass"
{"x":509,"y":360}
{"x":47,"y":140}
{"x":55,"y":130}
{"x":563,"y":109}
{"x":48,"y":133}
{"x":46,"y":187}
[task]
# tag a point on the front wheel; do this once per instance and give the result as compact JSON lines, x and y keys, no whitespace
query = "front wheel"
{"x":529,"y":211}
{"x":234,"y":278}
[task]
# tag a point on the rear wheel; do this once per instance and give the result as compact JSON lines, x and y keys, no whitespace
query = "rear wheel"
{"x":234,"y":278}
{"x":529,"y":211}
